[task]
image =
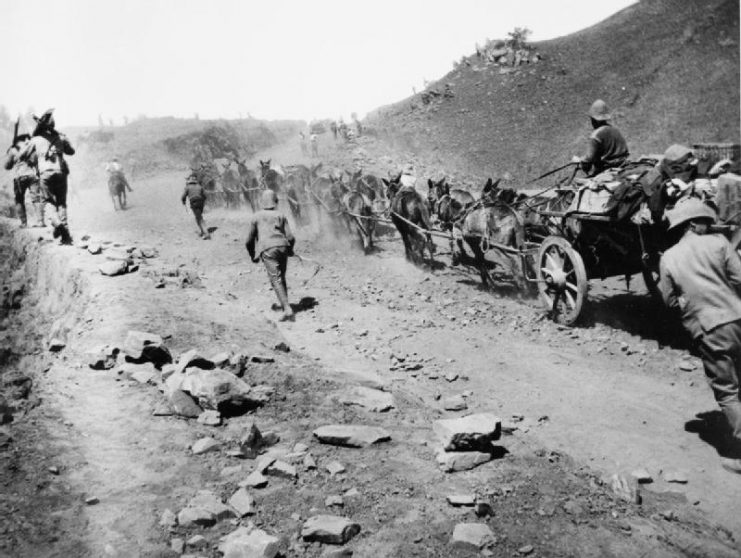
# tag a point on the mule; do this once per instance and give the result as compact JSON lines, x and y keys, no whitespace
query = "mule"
{"x":410,"y":215}
{"x":449,"y":207}
{"x":230,"y":186}
{"x":248,"y":184}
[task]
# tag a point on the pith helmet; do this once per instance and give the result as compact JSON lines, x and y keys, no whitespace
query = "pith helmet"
{"x":46,"y":119}
{"x":192,"y":179}
{"x":599,"y":110}
{"x":268,"y":199}
{"x":687,"y":210}
{"x":677,"y":154}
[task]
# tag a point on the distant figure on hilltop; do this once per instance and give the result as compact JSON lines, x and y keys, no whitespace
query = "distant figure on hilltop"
{"x":302,"y":141}
{"x":607,"y":147}
{"x":314,"y":140}
{"x":45,"y":152}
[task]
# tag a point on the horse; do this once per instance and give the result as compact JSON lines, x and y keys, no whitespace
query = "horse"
{"x":248,"y":184}
{"x":409,"y":214}
{"x":230,"y":186}
{"x":496,"y":221}
{"x":117,"y":186}
{"x":448,"y":207}
{"x":275,"y":181}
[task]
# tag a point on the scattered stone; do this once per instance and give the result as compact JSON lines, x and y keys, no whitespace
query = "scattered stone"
{"x":53,"y":469}
{"x":335,"y":468}
{"x":282,"y":469}
{"x":221,"y":359}
{"x":91,"y":501}
{"x":329,"y":529}
{"x":262,"y":464}
{"x":483,"y":509}
{"x":677,"y":477}
{"x":262,"y":359}
{"x":144,"y":374}
{"x":451,"y":377}
{"x":183,"y":404}
{"x":195,"y":359}
{"x":334,"y":500}
{"x":205,"y":445}
{"x":300,"y":447}
{"x":255,"y":480}
{"x":231,"y":471}
{"x":197,"y":541}
{"x":94,"y":248}
{"x":309,"y":461}
{"x":146,"y":347}
{"x":455,"y":403}
{"x":248,"y":542}
{"x":243,"y":502}
{"x":210,"y":417}
{"x":352,"y":493}
{"x":113,"y":268}
{"x":103,"y":357}
{"x":337,"y":553}
{"x":204,"y":509}
{"x":55,"y":345}
{"x":368,"y":398}
{"x":219,"y":390}
{"x":117,"y":255}
{"x":458,"y":500}
{"x":251,"y":442}
{"x":472,"y":536}
{"x":168,"y":519}
{"x":624,"y":489}
{"x":461,"y":460}
{"x":177,"y":545}
{"x":686,"y":366}
{"x":525,"y":550}
{"x":282,"y":347}
{"x":270,"y":439}
{"x":642,"y":476}
{"x":351,"y":435}
{"x":472,"y":432}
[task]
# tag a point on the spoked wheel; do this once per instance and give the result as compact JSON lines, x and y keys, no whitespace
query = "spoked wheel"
{"x":562,"y":279}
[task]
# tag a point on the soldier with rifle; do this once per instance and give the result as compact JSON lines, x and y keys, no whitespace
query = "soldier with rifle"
{"x":45,"y":152}
{"x":25,"y":179}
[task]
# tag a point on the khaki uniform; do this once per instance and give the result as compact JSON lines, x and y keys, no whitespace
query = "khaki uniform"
{"x":701,"y":278}
{"x":25,"y":180}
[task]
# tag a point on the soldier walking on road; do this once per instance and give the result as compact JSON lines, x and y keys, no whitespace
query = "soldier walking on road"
{"x":269,"y":238}
{"x":25,"y":179}
{"x":196,"y":195}
{"x":45,"y":152}
{"x":701,"y":278}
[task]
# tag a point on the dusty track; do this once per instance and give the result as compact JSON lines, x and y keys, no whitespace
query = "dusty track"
{"x":608,"y":408}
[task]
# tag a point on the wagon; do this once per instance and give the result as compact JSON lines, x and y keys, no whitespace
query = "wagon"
{"x":583,"y":246}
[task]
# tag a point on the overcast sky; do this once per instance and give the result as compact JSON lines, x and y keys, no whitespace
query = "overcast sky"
{"x":273,"y":59}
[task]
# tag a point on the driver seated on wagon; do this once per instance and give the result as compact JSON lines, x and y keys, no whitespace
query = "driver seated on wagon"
{"x":607,"y":147}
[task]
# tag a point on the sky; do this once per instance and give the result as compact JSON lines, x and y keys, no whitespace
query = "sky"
{"x":272,"y":59}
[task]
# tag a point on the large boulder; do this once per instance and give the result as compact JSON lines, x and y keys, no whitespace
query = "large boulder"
{"x":219,"y":390}
{"x":469,"y":433}
{"x":113,"y":267}
{"x":206,"y":508}
{"x":351,"y":435}
{"x":141,"y":346}
{"x":330,"y":529}
{"x":472,"y":536}
{"x":249,"y":542}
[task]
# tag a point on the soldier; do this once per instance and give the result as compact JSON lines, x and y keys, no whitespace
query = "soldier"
{"x":701,"y":278}
{"x":196,"y":195}
{"x":25,"y":179}
{"x":45,"y":152}
{"x":607,"y":147}
{"x":314,"y":141}
{"x":269,"y":238}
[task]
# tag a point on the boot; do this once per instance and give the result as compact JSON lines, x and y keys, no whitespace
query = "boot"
{"x":65,"y":236}
{"x":20,"y":209}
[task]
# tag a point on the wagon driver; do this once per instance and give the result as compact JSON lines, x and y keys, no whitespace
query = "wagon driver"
{"x":607,"y":147}
{"x":701,"y":278}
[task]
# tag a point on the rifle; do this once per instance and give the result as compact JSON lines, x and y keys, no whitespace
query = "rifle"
{"x":15,"y":134}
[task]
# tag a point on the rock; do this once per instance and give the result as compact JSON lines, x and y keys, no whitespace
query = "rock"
{"x":144,"y":374}
{"x":113,"y":268}
{"x":262,"y":464}
{"x":624,"y":489}
{"x":282,"y":347}
{"x":483,"y":509}
{"x":102,"y":357}
{"x":368,"y":398}
{"x":300,"y":447}
{"x":334,"y":500}
{"x":642,"y":476}
{"x":282,"y":469}
{"x":220,"y":359}
{"x":146,"y":347}
{"x":94,"y":248}
{"x":195,"y":359}
{"x":458,"y":500}
{"x":191,"y":516}
{"x":210,"y":418}
{"x":183,"y":404}
{"x":335,"y":468}
{"x":262,"y":359}
{"x":147,"y":252}
{"x":309,"y":461}
{"x":206,"y":501}
{"x":197,"y":541}
{"x":270,"y":439}
{"x":337,"y":553}
{"x":177,"y":545}
{"x":472,"y":536}
{"x":255,"y":480}
{"x":451,"y":377}
{"x":231,"y":471}
{"x":243,"y":502}
{"x":246,"y":542}
{"x":117,"y":255}
{"x":675,"y":476}
{"x":219,"y":390}
{"x":166,"y":371}
{"x":329,"y":529}
{"x":251,"y":442}
{"x":525,"y":550}
{"x":92,"y":500}
{"x":53,"y":469}
{"x":455,"y":403}
{"x":205,"y":445}
{"x":351,"y":435}
{"x":461,"y":460}
{"x":55,"y":345}
{"x":472,"y":432}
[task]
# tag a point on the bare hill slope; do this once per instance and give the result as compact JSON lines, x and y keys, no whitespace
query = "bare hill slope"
{"x":669,"y":69}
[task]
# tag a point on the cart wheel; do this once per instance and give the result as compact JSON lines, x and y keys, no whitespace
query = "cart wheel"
{"x":562,"y":279}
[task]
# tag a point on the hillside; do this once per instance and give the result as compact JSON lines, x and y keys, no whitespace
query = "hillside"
{"x":669,"y":69}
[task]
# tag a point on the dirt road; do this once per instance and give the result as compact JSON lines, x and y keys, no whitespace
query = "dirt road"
{"x":581,"y":403}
